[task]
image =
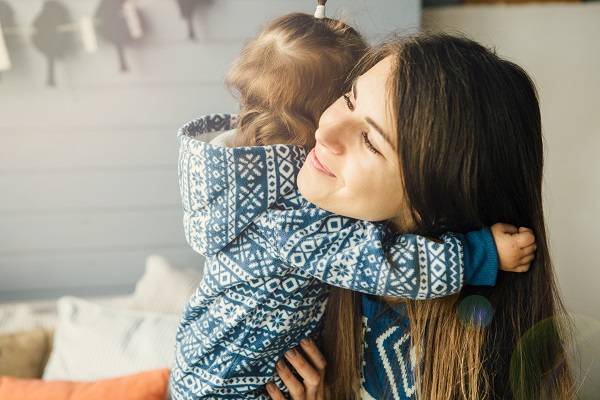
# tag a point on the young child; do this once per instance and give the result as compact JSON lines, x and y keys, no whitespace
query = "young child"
{"x":269,"y":253}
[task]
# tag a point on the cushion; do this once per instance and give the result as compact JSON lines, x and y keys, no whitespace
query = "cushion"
{"x":23,"y":316}
{"x":27,"y":315}
{"x":94,"y":341}
{"x":24,"y":354}
{"x":147,"y":385}
{"x":163,"y":287}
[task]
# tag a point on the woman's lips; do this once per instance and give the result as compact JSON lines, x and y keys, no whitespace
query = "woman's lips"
{"x":318,"y":164}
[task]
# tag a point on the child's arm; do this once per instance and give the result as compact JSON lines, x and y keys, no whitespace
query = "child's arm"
{"x":224,"y":189}
{"x":515,"y":246}
{"x":370,"y":258}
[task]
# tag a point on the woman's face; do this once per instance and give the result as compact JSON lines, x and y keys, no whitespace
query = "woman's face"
{"x":354,"y":170}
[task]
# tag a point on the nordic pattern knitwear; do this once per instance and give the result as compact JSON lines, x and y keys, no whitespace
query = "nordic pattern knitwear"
{"x":270,"y":255}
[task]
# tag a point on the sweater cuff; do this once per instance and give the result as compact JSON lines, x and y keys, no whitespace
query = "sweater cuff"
{"x":481,"y":258}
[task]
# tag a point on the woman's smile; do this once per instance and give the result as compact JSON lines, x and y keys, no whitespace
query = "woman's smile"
{"x":315,"y":162}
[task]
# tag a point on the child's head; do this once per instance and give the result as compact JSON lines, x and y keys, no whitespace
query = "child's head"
{"x":287,"y":76}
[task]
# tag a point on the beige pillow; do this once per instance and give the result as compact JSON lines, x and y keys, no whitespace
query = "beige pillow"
{"x":24,"y":354}
{"x":94,"y":341}
{"x":164,"y":288}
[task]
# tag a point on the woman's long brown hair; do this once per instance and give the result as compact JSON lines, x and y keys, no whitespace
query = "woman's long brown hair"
{"x":471,"y":153}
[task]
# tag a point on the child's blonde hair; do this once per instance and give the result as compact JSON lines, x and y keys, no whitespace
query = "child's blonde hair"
{"x":287,"y":76}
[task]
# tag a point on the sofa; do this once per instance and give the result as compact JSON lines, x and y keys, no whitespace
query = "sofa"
{"x":86,"y":348}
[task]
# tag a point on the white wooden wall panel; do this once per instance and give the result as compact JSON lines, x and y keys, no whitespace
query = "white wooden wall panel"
{"x":113,"y":106}
{"x":55,"y":232}
{"x":88,"y":169}
{"x":96,"y":189}
{"x":80,"y":272}
{"x":76,"y":148}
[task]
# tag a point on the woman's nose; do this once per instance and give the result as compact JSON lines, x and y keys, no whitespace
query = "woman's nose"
{"x":329,"y":138}
{"x":330,"y":133}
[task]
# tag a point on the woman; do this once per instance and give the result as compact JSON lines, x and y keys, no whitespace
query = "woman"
{"x":455,"y":143}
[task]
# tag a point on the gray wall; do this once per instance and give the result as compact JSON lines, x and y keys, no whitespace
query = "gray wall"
{"x":88,"y":169}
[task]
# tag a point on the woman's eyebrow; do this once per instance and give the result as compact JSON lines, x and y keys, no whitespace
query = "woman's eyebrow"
{"x":380,"y":131}
{"x":369,"y":120}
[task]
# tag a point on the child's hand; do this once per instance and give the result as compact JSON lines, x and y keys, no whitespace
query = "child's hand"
{"x":516,"y":247}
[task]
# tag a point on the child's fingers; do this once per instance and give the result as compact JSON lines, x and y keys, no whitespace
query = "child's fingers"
{"x":521,"y":268}
{"x":529,"y":250}
{"x":527,"y":260}
{"x":505,"y":228}
{"x":525,"y":239}
{"x":524,"y":229}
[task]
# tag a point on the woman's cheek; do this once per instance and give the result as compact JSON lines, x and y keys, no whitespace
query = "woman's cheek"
{"x":380,"y":198}
{"x":364,"y":181}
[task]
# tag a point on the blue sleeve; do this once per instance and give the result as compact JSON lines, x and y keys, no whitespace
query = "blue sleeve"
{"x":481,"y":258}
{"x":365,"y":256}
{"x":370,"y":258}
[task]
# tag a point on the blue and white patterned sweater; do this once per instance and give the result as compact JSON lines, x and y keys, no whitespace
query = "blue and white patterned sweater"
{"x":388,"y":359}
{"x":270,"y":255}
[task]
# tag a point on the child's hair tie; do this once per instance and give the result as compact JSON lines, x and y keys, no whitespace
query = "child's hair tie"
{"x":320,"y":11}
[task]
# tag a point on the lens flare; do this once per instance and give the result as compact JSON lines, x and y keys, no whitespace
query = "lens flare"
{"x":533,"y":354}
{"x":475,"y":311}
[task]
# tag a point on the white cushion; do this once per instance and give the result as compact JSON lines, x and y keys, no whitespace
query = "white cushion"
{"x":94,"y":341}
{"x":22,"y":317}
{"x":31,"y":314}
{"x":164,"y":288}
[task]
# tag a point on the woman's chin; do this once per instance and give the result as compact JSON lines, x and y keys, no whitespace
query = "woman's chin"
{"x":304,"y":184}
{"x":311,"y":187}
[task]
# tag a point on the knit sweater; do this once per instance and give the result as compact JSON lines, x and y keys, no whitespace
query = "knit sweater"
{"x":388,"y":357}
{"x":270,"y":256}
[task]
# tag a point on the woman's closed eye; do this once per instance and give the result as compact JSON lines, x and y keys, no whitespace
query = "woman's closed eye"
{"x":348,"y":102}
{"x":368,"y":143}
{"x":365,"y":136}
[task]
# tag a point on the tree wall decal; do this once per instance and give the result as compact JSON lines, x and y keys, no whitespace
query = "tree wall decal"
{"x":49,"y":38}
{"x":188,"y":8}
{"x":7,"y":21}
{"x":114,"y":27}
{"x":120,"y":22}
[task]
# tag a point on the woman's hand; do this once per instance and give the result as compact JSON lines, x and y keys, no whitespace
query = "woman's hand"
{"x":312,"y":372}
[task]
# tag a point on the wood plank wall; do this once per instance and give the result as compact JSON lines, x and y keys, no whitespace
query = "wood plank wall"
{"x":88,"y":169}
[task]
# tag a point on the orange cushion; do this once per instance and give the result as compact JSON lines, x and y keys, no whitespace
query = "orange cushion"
{"x":148,"y":385}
